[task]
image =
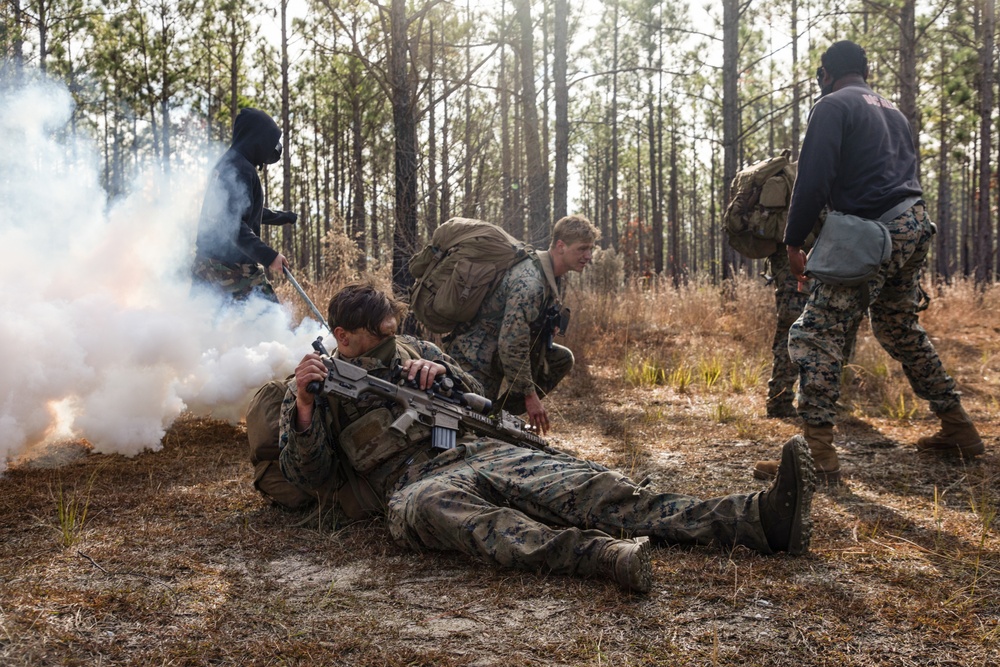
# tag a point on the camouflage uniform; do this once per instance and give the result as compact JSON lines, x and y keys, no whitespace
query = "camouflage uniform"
{"x":239,"y":281}
{"x":789,"y":302}
{"x":816,"y":339}
{"x":510,"y":505}
{"x":504,"y":347}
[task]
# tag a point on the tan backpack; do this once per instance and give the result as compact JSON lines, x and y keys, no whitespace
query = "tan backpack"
{"x":262,"y":433}
{"x":754,"y":221}
{"x":458,"y":269}
{"x":346,"y":491}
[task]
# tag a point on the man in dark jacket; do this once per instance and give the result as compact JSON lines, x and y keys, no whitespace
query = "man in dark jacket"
{"x":858,"y":157}
{"x":230,"y":253}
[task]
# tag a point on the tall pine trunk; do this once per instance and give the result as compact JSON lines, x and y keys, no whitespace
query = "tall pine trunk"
{"x":560,"y":185}
{"x":404,"y":238}
{"x":287,"y":237}
{"x":537,"y":178}
{"x":984,"y":222}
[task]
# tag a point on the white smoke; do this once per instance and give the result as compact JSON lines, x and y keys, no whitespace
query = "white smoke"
{"x":100,"y":335}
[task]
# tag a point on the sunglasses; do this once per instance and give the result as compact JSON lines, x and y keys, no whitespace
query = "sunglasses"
{"x":819,"y":75}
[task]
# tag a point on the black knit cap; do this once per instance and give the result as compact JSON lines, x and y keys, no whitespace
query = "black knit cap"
{"x":845,"y":57}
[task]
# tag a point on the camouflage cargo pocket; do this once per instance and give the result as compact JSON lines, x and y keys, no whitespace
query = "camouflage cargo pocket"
{"x":368,"y":441}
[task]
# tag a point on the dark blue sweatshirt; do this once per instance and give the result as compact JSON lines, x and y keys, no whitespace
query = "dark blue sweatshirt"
{"x":857,"y":157}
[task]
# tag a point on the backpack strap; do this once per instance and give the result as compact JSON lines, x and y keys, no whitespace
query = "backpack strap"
{"x":545,"y":261}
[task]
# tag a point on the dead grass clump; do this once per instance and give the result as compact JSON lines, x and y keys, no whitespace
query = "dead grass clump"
{"x":321,"y":293}
{"x":639,"y":317}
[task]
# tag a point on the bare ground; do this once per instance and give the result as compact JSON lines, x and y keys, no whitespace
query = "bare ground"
{"x":179,"y":562}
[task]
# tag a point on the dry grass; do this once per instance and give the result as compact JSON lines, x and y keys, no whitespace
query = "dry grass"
{"x":177,"y":561}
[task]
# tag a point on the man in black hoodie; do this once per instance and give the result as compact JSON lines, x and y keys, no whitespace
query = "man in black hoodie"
{"x":230,"y":253}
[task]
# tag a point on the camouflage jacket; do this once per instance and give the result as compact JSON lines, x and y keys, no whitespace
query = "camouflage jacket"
{"x":507,"y":329}
{"x":315,"y":459}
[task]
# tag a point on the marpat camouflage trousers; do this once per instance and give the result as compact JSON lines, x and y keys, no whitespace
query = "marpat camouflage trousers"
{"x":533,"y":510}
{"x":816,"y":340}
{"x":239,"y":281}
{"x":789,"y":303}
{"x":549,"y":367}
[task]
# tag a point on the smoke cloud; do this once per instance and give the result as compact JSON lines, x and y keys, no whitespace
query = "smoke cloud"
{"x":101,"y":336}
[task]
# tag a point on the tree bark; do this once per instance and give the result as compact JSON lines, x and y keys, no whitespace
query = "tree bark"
{"x":984,"y":222}
{"x":405,"y":131}
{"x":357,"y":216}
{"x":614,"y":133}
{"x":656,"y":233}
{"x":908,"y":72}
{"x":287,"y":236}
{"x":560,"y":195}
{"x":432,"y":183}
{"x":942,"y":239}
{"x":796,"y":86}
{"x":674,"y":207}
{"x":537,"y":179}
{"x":730,"y":110}
{"x":468,"y":205}
{"x":507,"y":182}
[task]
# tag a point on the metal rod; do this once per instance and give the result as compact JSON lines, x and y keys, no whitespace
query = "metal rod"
{"x":305,"y":297}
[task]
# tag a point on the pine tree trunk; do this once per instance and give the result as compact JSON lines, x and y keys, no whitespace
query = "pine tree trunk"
{"x":560,"y":194}
{"x":537,"y":179}
{"x":730,"y":111}
{"x":405,"y":129}
{"x":287,"y":236}
{"x":432,"y":183}
{"x":984,"y":222}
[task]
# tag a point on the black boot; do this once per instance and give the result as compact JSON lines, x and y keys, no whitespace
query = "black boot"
{"x":784,"y":508}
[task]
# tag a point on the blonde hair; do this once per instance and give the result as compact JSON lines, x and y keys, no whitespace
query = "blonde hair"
{"x":574,"y":229}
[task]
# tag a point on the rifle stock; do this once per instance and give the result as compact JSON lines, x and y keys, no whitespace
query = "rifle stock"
{"x":442,"y":408}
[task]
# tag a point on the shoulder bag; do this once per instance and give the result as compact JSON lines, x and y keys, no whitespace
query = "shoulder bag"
{"x":850,"y":250}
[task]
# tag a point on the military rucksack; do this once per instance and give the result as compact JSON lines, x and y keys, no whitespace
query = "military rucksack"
{"x":754,"y":221}
{"x":262,"y":434}
{"x":458,"y":269}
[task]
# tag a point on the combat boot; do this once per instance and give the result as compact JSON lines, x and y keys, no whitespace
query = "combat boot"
{"x":956,"y":437}
{"x":784,"y":508}
{"x":824,"y":454}
{"x":627,"y":563}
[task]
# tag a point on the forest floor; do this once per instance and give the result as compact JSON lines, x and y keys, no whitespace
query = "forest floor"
{"x":171,"y":558}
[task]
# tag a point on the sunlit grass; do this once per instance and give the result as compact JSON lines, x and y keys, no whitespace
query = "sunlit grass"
{"x":72,"y":506}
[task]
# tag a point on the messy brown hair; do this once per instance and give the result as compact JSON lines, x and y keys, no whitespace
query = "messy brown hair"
{"x":361,"y":305}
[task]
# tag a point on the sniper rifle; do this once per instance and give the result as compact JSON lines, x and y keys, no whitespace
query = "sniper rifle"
{"x":442,"y":407}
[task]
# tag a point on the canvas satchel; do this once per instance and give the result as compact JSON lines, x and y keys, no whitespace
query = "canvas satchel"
{"x":849,"y":250}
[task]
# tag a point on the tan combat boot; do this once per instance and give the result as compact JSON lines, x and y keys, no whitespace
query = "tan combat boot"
{"x":627,"y":563}
{"x":956,"y":437}
{"x":824,"y":454}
